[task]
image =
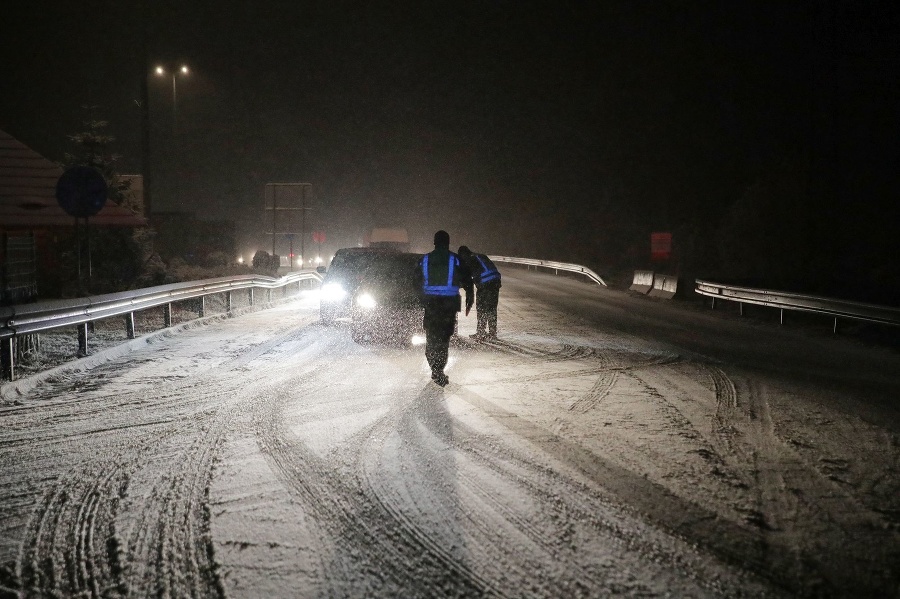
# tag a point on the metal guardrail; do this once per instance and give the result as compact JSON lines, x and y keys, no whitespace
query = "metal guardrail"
{"x":24,"y":319}
{"x":554,"y":265}
{"x":783,"y":300}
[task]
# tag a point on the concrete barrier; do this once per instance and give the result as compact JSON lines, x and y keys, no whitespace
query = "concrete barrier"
{"x":643,"y":281}
{"x":664,"y":286}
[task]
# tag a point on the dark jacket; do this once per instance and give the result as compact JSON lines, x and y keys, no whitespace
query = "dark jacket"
{"x":439,"y":263}
{"x":484,"y":271}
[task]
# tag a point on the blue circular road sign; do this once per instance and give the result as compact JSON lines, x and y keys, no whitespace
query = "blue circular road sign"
{"x":81,"y":191}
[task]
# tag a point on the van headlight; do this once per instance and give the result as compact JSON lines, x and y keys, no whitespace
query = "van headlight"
{"x":333,"y":292}
{"x":365,"y":300}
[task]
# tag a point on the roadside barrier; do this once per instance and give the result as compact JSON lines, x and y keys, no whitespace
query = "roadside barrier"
{"x":557,"y":266}
{"x":664,"y":286}
{"x":25,"y":319}
{"x":784,"y":300}
{"x":643,"y":281}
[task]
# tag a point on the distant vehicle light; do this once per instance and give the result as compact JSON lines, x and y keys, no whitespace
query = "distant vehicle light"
{"x":365,"y":300}
{"x":333,"y":292}
{"x":418,"y":339}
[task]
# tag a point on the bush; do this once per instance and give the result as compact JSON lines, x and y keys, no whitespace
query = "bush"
{"x":216,"y":260}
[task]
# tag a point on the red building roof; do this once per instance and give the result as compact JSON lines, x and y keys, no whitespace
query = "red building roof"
{"x":28,"y":192}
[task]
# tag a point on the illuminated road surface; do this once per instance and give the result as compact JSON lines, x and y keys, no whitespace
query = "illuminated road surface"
{"x":610,"y":445}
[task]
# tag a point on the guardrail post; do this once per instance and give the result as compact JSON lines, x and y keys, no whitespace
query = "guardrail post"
{"x":8,"y":359}
{"x":167,"y":315}
{"x":741,"y":308}
{"x":228,"y":301}
{"x":129,"y":325}
{"x":82,"y":339}
{"x":268,"y":296}
{"x":713,"y":304}
{"x":250,"y":295}
{"x":781,"y":317}
{"x":201,"y":306}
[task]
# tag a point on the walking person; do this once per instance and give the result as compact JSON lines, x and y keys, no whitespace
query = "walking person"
{"x":441,"y":275}
{"x":487,"y":285}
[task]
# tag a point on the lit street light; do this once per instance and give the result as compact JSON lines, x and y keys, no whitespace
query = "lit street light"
{"x":161,"y":71}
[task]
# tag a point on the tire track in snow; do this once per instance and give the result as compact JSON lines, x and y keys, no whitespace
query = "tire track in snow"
{"x":599,"y":391}
{"x":679,"y":424}
{"x":679,"y":516}
{"x":402,"y":422}
{"x":606,"y":379}
{"x":61,"y":555}
{"x":607,"y":365}
{"x":72,"y":545}
{"x":565,"y":505}
{"x":805,"y":511}
{"x":170,"y":550}
{"x":370,"y":536}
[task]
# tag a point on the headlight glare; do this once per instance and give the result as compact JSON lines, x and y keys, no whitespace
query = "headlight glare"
{"x":333,"y":292}
{"x":365,"y":300}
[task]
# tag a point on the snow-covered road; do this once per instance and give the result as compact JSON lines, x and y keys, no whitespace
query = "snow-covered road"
{"x":609,"y":445}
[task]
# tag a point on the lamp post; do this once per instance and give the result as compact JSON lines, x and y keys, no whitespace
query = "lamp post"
{"x":161,"y":71}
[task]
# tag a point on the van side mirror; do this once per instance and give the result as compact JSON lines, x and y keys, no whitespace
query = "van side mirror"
{"x":321,"y":270}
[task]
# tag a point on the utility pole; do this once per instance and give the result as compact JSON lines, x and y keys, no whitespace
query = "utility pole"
{"x":303,"y":224}
{"x":145,"y":118}
{"x":274,"y":216}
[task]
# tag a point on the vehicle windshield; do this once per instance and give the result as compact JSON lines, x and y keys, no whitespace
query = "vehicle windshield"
{"x":394,"y":270}
{"x":351,"y":263}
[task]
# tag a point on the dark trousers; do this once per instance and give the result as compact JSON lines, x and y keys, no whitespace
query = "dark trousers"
{"x":486,"y":300}
{"x":439,"y":323}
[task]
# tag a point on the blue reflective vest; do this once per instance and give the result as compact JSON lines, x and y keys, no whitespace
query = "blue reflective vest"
{"x":487,"y":273}
{"x":448,"y":290}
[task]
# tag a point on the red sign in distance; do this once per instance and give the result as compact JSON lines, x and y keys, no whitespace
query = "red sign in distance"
{"x":660,"y":246}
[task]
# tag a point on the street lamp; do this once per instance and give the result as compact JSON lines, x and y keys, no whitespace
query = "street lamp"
{"x":161,"y":71}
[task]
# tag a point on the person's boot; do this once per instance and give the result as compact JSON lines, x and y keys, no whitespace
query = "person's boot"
{"x":440,"y":378}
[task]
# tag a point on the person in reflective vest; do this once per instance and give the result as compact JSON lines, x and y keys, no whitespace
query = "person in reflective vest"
{"x":440,"y":275}
{"x":487,"y":285}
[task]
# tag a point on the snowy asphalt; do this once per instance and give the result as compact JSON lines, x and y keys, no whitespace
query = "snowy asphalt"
{"x":607,"y":445}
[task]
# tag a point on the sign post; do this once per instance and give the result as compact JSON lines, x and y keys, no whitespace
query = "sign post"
{"x":288,"y":203}
{"x":82,"y":191}
{"x":290,"y":237}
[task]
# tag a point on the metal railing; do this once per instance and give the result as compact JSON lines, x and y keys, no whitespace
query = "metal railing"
{"x":25,"y":319}
{"x":577,"y":268}
{"x":783,"y":300}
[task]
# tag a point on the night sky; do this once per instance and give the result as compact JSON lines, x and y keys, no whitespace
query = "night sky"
{"x":559,"y":130}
